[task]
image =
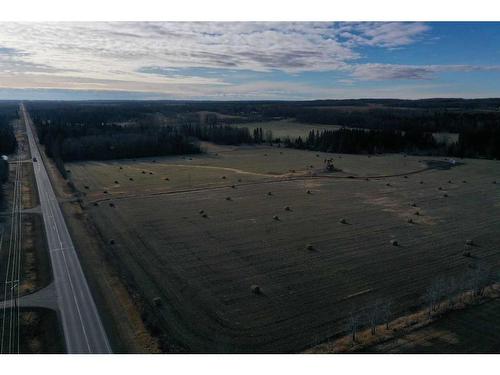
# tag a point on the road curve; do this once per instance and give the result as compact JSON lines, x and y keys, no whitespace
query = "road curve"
{"x":82,"y":326}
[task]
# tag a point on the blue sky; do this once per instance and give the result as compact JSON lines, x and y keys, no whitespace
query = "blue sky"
{"x":248,"y":61}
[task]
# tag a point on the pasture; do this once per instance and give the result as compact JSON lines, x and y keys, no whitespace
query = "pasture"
{"x":193,"y":237}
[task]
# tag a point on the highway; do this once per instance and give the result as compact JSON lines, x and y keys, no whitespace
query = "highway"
{"x":82,"y":326}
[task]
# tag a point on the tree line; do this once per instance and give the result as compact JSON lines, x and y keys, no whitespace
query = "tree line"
{"x":8,"y":143}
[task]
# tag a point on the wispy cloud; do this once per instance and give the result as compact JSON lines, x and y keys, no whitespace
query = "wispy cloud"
{"x":373,"y":72}
{"x":189,"y":59}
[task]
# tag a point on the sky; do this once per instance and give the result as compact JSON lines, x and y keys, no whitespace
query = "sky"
{"x":248,"y":60}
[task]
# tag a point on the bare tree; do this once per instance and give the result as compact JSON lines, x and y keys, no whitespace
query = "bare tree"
{"x":354,"y":322}
{"x":374,"y":314}
{"x":386,"y":312}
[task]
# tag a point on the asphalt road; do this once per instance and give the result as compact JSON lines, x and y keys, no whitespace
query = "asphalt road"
{"x":82,"y":326}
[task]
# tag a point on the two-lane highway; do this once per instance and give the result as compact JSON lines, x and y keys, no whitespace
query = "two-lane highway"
{"x":82,"y":326}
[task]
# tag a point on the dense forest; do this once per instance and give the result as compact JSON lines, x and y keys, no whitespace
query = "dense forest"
{"x":73,"y":142}
{"x":8,"y":112}
{"x":355,"y":141}
{"x":119,"y":129}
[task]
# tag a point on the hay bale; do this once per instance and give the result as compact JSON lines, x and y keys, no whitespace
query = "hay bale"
{"x":343,"y":221}
{"x":116,"y":182}
{"x":276,"y":217}
{"x":309,"y":247}
{"x":469,"y":242}
{"x":131,"y":179}
{"x":287,"y":208}
{"x":204,"y":215}
{"x":157,"y":301}
{"x":105,"y":192}
{"x":150,"y":172}
{"x":394,"y":243}
{"x":255,"y":289}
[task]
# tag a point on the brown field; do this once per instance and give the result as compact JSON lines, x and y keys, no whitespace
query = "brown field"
{"x":203,"y":268}
{"x":473,"y":330}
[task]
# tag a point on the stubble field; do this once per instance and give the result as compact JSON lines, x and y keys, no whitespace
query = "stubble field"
{"x":199,"y":232}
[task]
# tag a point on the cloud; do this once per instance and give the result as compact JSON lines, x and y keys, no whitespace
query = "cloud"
{"x":373,"y":72}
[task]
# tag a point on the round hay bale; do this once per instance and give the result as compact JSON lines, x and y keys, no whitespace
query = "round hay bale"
{"x":276,"y":217}
{"x":343,"y":221}
{"x":309,"y":247}
{"x":255,"y":289}
{"x":394,"y":243}
{"x":469,"y":242}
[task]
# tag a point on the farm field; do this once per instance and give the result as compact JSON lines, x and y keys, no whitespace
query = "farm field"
{"x":199,"y":244}
{"x":287,"y":127}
